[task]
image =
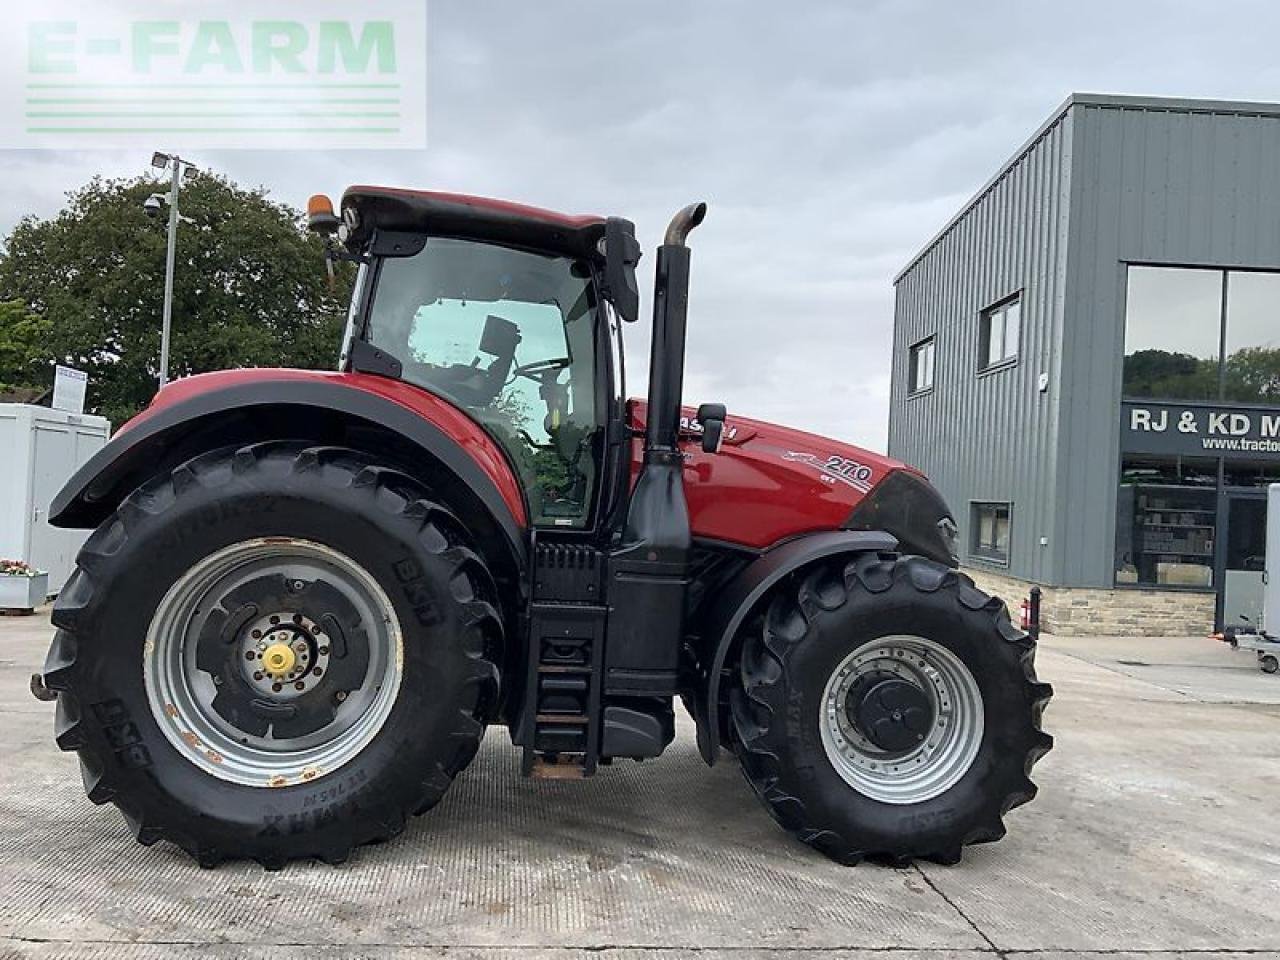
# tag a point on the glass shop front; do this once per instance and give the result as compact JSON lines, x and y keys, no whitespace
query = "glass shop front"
{"x":1200,"y":433}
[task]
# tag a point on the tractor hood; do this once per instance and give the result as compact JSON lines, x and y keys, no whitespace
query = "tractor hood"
{"x":770,"y":482}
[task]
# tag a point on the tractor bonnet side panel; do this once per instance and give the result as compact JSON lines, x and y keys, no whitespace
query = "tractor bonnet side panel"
{"x":769,"y":482}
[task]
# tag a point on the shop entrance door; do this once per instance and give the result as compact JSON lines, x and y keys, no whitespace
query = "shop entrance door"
{"x":1242,"y":559}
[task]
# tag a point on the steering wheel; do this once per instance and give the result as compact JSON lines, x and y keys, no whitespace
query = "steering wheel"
{"x":539,"y":369}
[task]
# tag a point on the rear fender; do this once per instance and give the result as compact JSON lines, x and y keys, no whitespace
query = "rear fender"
{"x":249,"y":406}
{"x":740,"y":597}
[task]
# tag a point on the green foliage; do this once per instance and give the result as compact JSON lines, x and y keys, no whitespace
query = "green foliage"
{"x":1173,"y":376}
{"x":250,"y":290}
{"x":24,"y":339}
{"x":1253,"y":375}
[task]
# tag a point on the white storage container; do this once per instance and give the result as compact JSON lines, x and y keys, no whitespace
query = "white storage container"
{"x":40,"y":449}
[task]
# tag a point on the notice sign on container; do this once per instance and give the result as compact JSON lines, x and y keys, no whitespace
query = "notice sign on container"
{"x":69,"y":387}
{"x":272,"y":74}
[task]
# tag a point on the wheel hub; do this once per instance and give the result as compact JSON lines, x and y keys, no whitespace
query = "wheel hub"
{"x":901,"y":719}
{"x":273,"y":661}
{"x":894,"y":714}
{"x":278,"y":659}
{"x":284,"y":654}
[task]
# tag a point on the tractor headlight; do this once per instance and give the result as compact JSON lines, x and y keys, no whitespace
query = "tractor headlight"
{"x":950,"y":535}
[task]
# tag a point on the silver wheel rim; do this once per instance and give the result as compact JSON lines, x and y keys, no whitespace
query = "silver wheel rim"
{"x":181,"y":691}
{"x":942,"y":754}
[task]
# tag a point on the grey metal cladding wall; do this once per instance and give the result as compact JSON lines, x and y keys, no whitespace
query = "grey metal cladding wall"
{"x":1171,"y":183}
{"x":991,"y":436}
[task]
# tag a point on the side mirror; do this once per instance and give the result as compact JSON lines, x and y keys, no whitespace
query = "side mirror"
{"x":621,"y":254}
{"x":712,"y":417}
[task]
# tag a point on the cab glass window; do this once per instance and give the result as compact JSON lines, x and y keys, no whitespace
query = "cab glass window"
{"x":509,"y":336}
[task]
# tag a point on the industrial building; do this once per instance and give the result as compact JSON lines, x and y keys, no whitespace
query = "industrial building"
{"x":1087,"y":364}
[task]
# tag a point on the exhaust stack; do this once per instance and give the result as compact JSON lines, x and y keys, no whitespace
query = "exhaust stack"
{"x":649,"y":571}
{"x":670,"y":315}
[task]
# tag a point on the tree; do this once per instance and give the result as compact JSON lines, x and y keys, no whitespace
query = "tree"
{"x":24,"y":348}
{"x":250,"y":289}
{"x":1174,"y":376}
{"x":1253,"y":375}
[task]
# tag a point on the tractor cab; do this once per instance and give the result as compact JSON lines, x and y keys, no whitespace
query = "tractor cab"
{"x":509,"y":313}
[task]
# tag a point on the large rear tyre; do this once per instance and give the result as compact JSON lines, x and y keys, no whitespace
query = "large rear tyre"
{"x":888,"y":709}
{"x":275,"y":652}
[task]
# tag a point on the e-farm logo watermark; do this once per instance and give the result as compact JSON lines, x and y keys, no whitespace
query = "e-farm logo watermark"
{"x":272,"y":74}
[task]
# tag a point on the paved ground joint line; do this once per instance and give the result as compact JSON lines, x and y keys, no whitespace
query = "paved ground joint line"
{"x":517,"y":949}
{"x":956,"y":907}
{"x":605,"y":949}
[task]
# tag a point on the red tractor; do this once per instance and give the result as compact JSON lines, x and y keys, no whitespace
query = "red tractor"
{"x":307,"y":593}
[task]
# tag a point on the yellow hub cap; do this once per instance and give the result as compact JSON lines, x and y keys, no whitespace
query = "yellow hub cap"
{"x":278,"y":659}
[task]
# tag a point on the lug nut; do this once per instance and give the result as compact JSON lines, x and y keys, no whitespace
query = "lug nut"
{"x":276,"y":688}
{"x":318,"y":671}
{"x":340,"y":695}
{"x":299,"y":685}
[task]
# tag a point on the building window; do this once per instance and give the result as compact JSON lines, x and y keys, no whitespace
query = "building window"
{"x":1251,"y":367}
{"x":999,"y":331}
{"x":921,"y":372}
{"x":990,"y":536}
{"x":1177,"y":320}
{"x":1173,"y":332}
{"x":1166,"y":519}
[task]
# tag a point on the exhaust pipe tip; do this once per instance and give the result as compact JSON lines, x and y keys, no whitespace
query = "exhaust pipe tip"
{"x":683,"y":222}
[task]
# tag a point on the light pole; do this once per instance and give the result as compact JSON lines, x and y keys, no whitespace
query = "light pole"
{"x":161,"y":161}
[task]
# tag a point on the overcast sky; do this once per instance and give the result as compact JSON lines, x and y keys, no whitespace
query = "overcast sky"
{"x":831,"y":140}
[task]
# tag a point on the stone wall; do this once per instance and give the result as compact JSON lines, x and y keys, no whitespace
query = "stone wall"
{"x":1085,"y":611}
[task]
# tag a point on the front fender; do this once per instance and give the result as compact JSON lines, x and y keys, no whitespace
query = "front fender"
{"x":247,"y":405}
{"x":738,"y":598}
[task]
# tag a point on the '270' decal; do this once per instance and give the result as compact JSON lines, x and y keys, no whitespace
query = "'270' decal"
{"x":835,"y":468}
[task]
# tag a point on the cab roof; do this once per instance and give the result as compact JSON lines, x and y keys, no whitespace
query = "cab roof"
{"x":478,"y":218}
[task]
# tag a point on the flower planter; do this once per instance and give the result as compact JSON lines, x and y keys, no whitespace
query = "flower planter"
{"x":23,"y":593}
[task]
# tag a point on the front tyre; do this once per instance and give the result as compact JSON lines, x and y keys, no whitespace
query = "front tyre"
{"x":275,"y":652}
{"x":888,"y":709}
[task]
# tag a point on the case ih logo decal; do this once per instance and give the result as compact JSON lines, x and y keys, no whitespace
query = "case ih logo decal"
{"x":835,"y":469}
{"x":690,"y":425}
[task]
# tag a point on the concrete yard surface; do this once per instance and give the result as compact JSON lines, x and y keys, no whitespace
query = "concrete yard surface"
{"x":1155,"y":836}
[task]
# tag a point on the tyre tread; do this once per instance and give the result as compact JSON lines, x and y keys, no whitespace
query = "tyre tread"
{"x":762,"y":666}
{"x":73,"y":609}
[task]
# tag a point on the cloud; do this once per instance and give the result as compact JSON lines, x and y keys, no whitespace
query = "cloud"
{"x":831,"y":139}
